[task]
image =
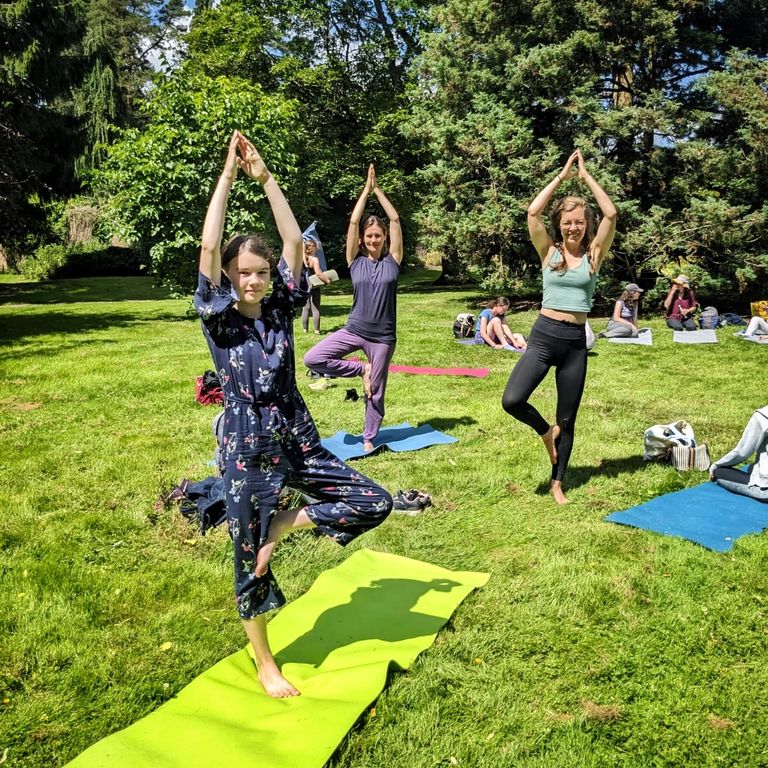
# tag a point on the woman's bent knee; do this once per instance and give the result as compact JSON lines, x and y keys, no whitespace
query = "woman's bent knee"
{"x":511,"y":404}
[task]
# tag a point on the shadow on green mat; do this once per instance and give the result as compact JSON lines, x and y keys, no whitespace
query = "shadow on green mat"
{"x":382,"y":603}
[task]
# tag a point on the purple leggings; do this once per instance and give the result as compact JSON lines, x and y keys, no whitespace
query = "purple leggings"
{"x":327,"y":357}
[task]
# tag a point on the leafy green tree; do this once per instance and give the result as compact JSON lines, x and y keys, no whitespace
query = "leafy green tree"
{"x":503,"y":92}
{"x":346,"y":63}
{"x":37,"y":72}
{"x":156,"y":181}
{"x":115,"y":51}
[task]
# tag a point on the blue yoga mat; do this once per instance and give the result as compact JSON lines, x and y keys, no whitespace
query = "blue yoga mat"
{"x":402,"y":437}
{"x":706,"y":514}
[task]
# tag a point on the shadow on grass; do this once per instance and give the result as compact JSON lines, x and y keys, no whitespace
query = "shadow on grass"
{"x":28,"y":325}
{"x":439,"y":423}
{"x":381,"y":611}
{"x":578,"y":476}
{"x":83,"y":290}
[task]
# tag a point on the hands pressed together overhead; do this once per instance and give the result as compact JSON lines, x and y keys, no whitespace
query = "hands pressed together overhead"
{"x":242,"y":154}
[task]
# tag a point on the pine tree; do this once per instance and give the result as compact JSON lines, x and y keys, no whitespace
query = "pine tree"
{"x":38,"y":68}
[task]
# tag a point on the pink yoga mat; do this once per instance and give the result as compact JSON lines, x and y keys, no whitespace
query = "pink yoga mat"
{"x":479,"y":373}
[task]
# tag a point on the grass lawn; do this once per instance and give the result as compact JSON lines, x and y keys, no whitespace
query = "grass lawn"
{"x":593,"y":644}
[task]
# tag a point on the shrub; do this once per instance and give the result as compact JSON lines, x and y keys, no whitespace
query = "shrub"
{"x":91,"y":259}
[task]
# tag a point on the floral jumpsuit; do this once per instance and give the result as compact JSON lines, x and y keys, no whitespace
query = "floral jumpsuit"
{"x":270,"y":438}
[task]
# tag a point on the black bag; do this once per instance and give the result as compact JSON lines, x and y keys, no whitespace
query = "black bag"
{"x":464,"y":325}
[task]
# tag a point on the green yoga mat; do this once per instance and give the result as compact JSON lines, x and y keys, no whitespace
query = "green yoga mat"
{"x":335,"y":644}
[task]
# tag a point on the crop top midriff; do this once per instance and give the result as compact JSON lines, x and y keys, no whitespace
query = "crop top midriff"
{"x":570,"y":290}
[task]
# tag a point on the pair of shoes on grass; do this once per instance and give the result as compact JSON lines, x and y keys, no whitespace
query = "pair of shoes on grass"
{"x":411,"y":502}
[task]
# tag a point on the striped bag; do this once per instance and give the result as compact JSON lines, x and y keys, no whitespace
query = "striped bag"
{"x":685,"y":457}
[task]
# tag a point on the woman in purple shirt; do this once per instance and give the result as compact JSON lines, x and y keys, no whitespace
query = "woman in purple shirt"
{"x":680,"y":304}
{"x":371,"y":326}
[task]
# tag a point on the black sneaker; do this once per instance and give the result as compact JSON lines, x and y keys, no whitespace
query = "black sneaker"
{"x":401,"y":503}
{"x":416,"y":495}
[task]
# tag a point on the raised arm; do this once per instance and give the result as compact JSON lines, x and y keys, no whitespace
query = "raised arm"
{"x":670,"y":298}
{"x":213,"y":227}
{"x":353,"y":230}
{"x":537,"y":229}
{"x":293,"y":245}
{"x":395,"y":230}
{"x":601,"y":242}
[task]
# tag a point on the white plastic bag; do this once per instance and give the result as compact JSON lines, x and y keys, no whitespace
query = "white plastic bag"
{"x":659,"y":439}
{"x":591,"y":338}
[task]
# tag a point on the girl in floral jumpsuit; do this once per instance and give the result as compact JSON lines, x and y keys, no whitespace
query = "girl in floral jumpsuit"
{"x":270,"y":438}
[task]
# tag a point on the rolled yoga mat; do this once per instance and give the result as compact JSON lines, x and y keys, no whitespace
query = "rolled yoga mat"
{"x":706,"y":514}
{"x":401,"y":437}
{"x":336,"y":644}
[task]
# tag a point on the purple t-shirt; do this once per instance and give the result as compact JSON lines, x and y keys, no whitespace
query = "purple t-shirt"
{"x":374,"y":298}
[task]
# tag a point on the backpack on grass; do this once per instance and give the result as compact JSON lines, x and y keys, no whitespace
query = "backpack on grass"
{"x":464,"y":325}
{"x":208,"y":389}
{"x":709,"y":318}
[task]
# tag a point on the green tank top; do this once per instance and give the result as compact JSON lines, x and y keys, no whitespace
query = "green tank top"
{"x":568,"y":291}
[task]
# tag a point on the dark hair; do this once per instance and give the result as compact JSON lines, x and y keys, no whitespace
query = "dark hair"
{"x":503,"y":300}
{"x":239,"y":243}
{"x":369,"y":222}
{"x":565,"y":205}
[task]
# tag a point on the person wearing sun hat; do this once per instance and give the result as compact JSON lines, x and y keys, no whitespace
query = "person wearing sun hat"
{"x":623,"y":322}
{"x":680,"y":305}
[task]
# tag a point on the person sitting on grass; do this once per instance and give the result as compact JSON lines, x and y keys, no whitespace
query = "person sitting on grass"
{"x":758,"y":327}
{"x":623,"y":322}
{"x":270,"y":438}
{"x":492,"y":328}
{"x":680,"y":304}
{"x":754,"y":440}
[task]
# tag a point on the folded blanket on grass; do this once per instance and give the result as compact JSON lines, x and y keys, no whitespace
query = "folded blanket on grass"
{"x":754,"y":339}
{"x":703,"y":336}
{"x":401,"y":437}
{"x":644,"y":337}
{"x":336,"y":644}
{"x":707,"y":514}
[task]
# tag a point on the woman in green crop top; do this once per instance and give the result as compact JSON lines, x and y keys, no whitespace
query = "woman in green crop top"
{"x":570,"y":259}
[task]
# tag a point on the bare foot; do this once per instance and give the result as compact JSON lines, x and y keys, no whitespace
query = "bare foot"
{"x":549,"y":438}
{"x":367,"y":380}
{"x":368,"y":446}
{"x":556,"y":489}
{"x":274,"y":684}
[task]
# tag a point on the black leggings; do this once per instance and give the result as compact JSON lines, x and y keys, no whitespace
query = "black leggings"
{"x":564,"y":346}
{"x":736,"y":481}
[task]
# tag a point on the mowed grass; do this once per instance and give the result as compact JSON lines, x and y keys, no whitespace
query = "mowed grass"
{"x":593,"y":644}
